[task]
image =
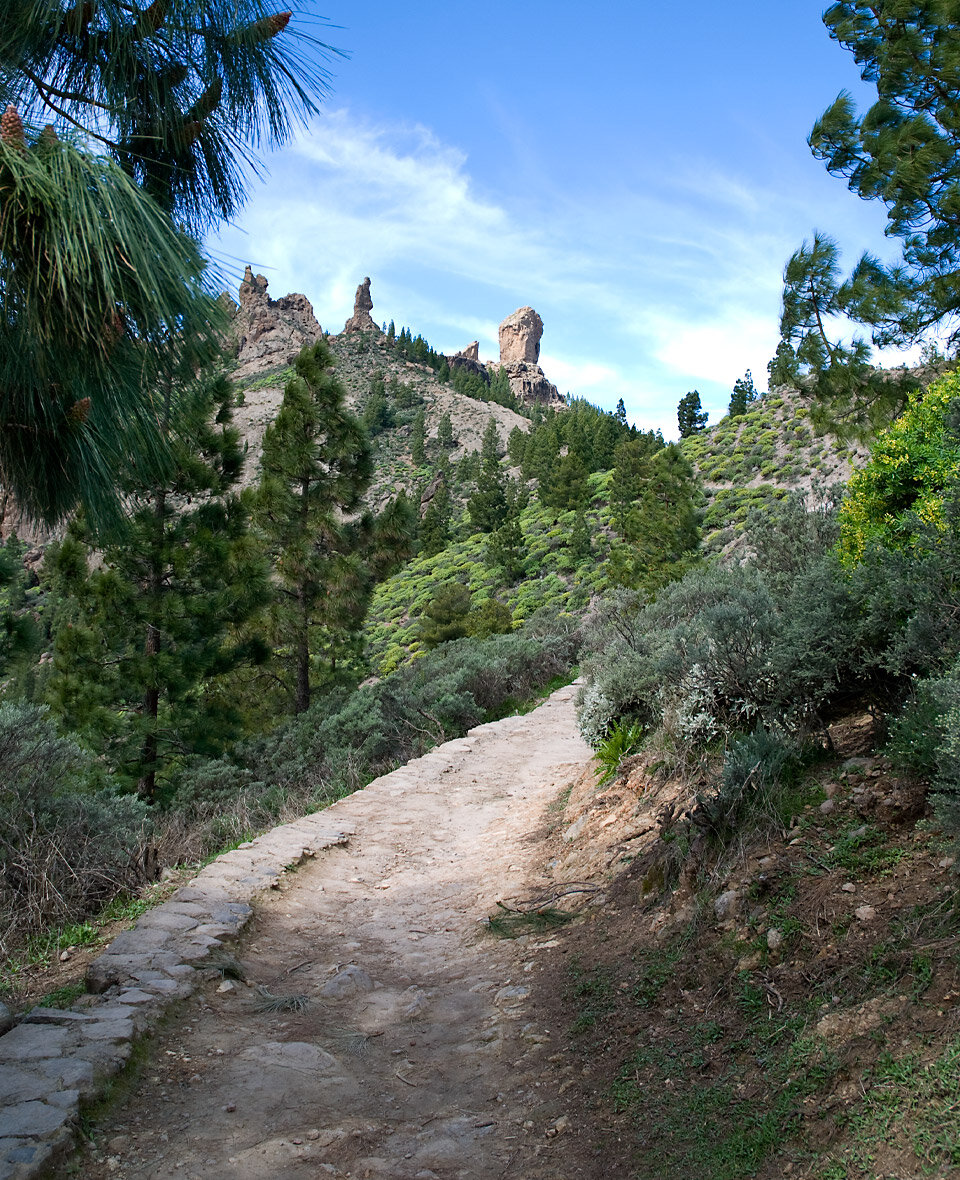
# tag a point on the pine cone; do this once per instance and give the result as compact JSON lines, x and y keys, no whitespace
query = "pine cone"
{"x":79,"y":412}
{"x":269,"y":26}
{"x":48,"y":138}
{"x":11,"y":128}
{"x":113,"y":329}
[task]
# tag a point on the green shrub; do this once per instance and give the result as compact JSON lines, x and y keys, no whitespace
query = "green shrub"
{"x":757,"y":767}
{"x":69,"y":842}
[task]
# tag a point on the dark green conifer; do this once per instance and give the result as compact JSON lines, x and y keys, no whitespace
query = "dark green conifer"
{"x":445,"y":616}
{"x":445,"y":439}
{"x":743,"y":395}
{"x":418,"y":439}
{"x":903,"y":151}
{"x":690,"y":418}
{"x":327,"y":553}
{"x":568,"y":486}
{"x":488,"y":504}
{"x":152,"y":625}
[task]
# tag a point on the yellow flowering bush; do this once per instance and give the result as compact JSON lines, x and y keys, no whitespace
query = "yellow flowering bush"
{"x":912,"y":466}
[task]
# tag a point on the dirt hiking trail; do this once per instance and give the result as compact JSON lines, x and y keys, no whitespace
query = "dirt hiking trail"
{"x":412,"y":1056}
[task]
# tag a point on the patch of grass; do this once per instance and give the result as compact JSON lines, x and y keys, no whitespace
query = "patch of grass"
{"x":594,"y":992}
{"x":269,"y":1002}
{"x":127,"y":908}
{"x":688,"y":1125}
{"x":656,"y":969}
{"x":908,"y":1105}
{"x":62,"y":997}
{"x":510,"y":923}
{"x":866,"y":851}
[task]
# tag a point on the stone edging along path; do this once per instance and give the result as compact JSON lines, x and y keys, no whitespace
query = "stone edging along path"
{"x":54,"y":1059}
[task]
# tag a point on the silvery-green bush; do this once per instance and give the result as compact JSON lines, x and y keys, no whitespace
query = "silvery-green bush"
{"x":69,"y":841}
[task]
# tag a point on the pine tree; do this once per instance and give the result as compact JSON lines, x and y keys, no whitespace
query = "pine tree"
{"x":487,"y":506}
{"x":517,"y":445}
{"x":904,"y":152}
{"x":104,"y":294}
{"x":743,"y":395}
{"x":19,"y":629}
{"x":445,"y":439}
{"x":147,"y":631}
{"x":568,"y":487}
{"x":620,"y":413}
{"x":418,"y":439}
{"x":179,"y":93}
{"x":690,"y":418}
{"x":660,"y":526}
{"x":580,"y":543}
{"x":445,"y":616}
{"x":434,"y":532}
{"x":505,"y":549}
{"x":316,"y":466}
{"x":629,"y":475}
{"x":378,"y":414}
{"x":103,"y":301}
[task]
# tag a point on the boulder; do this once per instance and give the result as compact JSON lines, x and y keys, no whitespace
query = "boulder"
{"x":519,"y":355}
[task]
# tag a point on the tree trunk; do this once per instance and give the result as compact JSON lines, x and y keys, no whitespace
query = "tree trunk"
{"x":147,"y":783}
{"x":302,"y":649}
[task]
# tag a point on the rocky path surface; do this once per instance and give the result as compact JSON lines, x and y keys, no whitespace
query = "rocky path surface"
{"x":380,"y":1031}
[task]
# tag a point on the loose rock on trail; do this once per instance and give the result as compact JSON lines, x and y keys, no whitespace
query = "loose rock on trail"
{"x":380,"y":1030}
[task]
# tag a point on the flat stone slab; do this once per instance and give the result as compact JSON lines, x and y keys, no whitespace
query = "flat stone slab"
{"x":36,"y":1119}
{"x":53,"y":1057}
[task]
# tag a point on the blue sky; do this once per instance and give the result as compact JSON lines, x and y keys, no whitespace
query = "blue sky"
{"x":637,"y":172}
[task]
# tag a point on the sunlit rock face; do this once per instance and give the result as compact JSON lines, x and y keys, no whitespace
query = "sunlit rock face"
{"x":361,"y":320}
{"x":269,"y":331}
{"x":519,"y":355}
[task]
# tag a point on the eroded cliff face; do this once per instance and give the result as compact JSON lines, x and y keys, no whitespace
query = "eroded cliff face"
{"x":270,"y":332}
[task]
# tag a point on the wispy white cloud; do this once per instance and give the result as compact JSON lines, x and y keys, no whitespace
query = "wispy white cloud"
{"x":643,"y":293}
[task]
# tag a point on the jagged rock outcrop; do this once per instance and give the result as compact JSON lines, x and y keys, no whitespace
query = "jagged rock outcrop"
{"x":520,"y":337}
{"x":468,"y":359}
{"x":271,"y":332}
{"x":438,"y":481}
{"x":529,"y":385}
{"x":361,"y":320}
{"x":459,"y":361}
{"x":519,"y":353}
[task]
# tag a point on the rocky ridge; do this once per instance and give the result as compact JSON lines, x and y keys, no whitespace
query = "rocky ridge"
{"x":270,"y":332}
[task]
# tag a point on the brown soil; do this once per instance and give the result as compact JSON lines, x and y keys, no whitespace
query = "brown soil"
{"x":749,"y":1036}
